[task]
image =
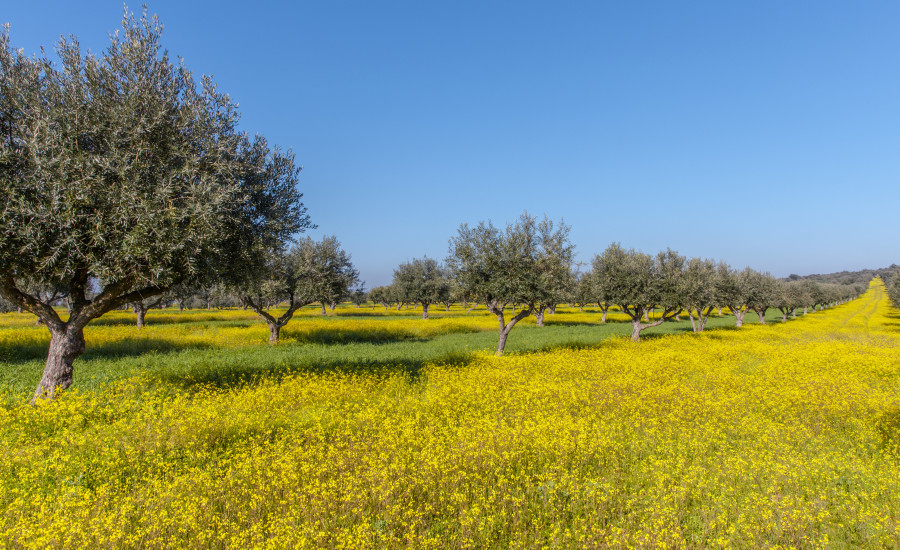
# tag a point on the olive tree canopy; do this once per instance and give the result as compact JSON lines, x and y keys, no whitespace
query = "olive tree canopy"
{"x":422,"y":281}
{"x":762,"y":292}
{"x":123,"y":173}
{"x":332,"y":274}
{"x":698,"y":291}
{"x":893,"y":288}
{"x":516,"y":265}
{"x":637,"y":282}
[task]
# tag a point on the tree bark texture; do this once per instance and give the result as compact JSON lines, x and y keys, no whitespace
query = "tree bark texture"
{"x":505,"y":327}
{"x":274,"y":332}
{"x":761,"y":313}
{"x":66,"y":345}
{"x":141,"y":312}
{"x":638,"y":313}
{"x":739,"y":314}
{"x":425,"y":310}
{"x":699,"y":318}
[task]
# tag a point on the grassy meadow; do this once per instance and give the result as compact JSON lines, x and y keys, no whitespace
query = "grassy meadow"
{"x":377,"y":429}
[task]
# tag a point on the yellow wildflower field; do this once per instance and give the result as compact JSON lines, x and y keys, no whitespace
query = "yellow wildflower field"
{"x":771,"y":436}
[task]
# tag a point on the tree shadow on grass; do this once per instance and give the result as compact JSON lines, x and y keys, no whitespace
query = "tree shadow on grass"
{"x":150,"y":321}
{"x":241,"y":374}
{"x":30,"y":351}
{"x":894,"y":323}
{"x":553,"y":321}
{"x":336,"y":336}
{"x":141,"y":345}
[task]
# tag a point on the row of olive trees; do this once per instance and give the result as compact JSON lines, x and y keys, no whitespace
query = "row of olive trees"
{"x":893,"y":287}
{"x":529,"y":265}
{"x":423,"y":281}
{"x":637,"y":283}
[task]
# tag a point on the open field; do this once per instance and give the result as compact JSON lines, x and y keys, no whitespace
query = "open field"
{"x":367,"y":429}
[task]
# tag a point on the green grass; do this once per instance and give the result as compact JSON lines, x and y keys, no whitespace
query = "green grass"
{"x":342,"y":349}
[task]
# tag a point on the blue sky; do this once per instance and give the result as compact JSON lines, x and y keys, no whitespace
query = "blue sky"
{"x":764,"y":134}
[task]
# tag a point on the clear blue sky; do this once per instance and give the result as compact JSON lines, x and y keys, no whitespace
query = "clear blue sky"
{"x":759,"y":133}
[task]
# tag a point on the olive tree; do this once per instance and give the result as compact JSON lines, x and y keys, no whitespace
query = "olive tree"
{"x":140,"y":308}
{"x":761,"y":292}
{"x":502,"y":267}
{"x":285,"y":277}
{"x":637,"y":282}
{"x":381,"y":295}
{"x":698,"y":291}
{"x":358,"y":295}
{"x":789,"y":295}
{"x":333,"y":274}
{"x":732,"y":291}
{"x":584,"y":292}
{"x":893,"y":288}
{"x":555,"y":279}
{"x":601,"y":276}
{"x":422,"y":281}
{"x":813,"y":295}
{"x":121,"y":169}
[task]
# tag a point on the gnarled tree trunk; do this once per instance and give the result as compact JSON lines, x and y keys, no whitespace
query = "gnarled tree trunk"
{"x":699,"y":318}
{"x":66,"y":344}
{"x":425,"y":310}
{"x":539,"y":315}
{"x":274,"y":332}
{"x":761,"y":313}
{"x":505,"y":327}
{"x":639,"y":313}
{"x":739,"y":314}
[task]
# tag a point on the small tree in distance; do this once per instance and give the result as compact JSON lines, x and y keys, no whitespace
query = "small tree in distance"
{"x":731,"y":291}
{"x":381,"y":295}
{"x":761,"y":292}
{"x":332,"y":274}
{"x":285,"y":277}
{"x":358,"y":295}
{"x":637,"y":282}
{"x":894,"y":288}
{"x":698,"y":291}
{"x":503,"y":267}
{"x":422,"y":281}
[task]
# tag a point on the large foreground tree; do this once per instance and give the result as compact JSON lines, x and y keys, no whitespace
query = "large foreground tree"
{"x":121,"y":177}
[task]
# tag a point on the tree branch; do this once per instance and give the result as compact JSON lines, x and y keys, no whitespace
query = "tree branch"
{"x":43,"y":310}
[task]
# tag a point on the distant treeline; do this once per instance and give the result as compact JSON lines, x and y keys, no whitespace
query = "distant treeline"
{"x":862,"y":276}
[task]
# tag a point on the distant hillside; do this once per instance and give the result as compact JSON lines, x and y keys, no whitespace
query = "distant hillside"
{"x":848,"y":277}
